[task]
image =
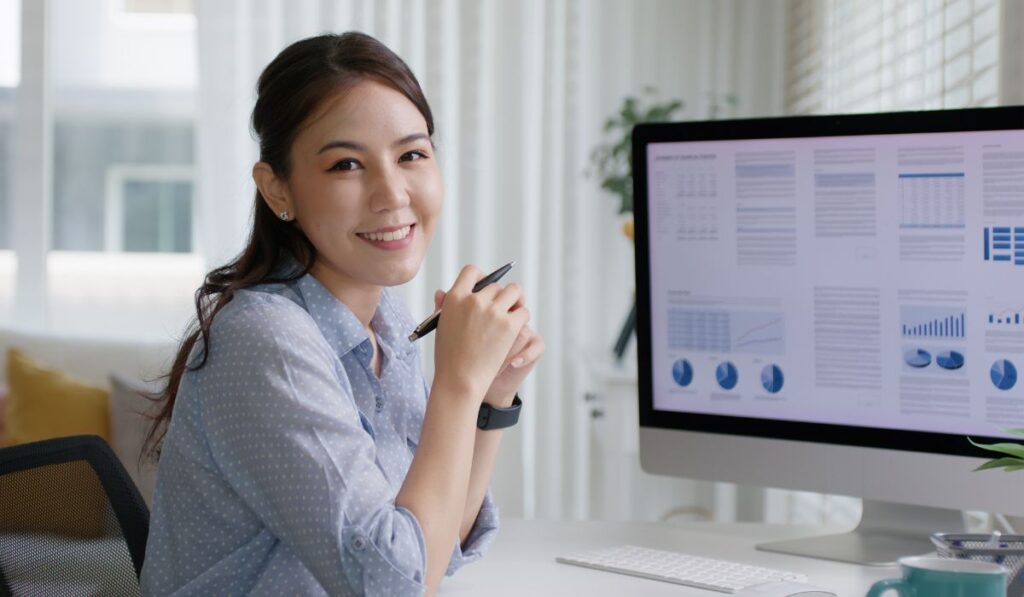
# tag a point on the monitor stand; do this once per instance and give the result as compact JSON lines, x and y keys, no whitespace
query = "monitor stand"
{"x":886,"y":533}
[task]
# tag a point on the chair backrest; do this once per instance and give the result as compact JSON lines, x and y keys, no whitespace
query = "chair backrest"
{"x":71,"y":520}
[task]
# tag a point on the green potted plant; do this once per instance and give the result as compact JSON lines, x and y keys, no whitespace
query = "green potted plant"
{"x":612,"y":162}
{"x":1011,"y":454}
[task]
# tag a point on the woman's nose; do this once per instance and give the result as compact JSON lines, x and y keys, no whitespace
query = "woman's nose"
{"x":389,"y":192}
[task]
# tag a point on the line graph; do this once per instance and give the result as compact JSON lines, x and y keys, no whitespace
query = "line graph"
{"x":752,"y":332}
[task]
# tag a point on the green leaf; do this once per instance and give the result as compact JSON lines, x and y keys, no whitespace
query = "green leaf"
{"x":628,"y":112}
{"x":661,"y":113}
{"x":1009,"y":463}
{"x":611,"y":161}
{"x":1012,"y":449}
{"x":622,"y":148}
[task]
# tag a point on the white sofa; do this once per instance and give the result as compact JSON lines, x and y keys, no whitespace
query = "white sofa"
{"x":88,"y":358}
{"x":94,"y":360}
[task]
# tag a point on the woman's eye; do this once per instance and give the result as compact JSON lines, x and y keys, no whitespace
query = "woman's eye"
{"x":411,"y":156}
{"x":344,"y":165}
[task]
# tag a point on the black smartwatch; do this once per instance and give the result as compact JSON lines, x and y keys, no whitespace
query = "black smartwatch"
{"x":492,"y":417}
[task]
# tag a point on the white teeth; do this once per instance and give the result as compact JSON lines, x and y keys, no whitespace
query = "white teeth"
{"x":386,"y":236}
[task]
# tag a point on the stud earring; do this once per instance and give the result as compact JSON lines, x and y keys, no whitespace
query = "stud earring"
{"x":284,"y":215}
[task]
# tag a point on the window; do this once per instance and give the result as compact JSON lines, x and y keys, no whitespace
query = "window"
{"x":158,"y":6}
{"x":86,"y":153}
{"x":124,"y":94}
{"x":10,"y":75}
{"x":123,"y":77}
{"x":149,"y":209}
{"x":854,"y":56}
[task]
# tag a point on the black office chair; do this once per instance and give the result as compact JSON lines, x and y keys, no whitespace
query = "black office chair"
{"x":71,"y":520}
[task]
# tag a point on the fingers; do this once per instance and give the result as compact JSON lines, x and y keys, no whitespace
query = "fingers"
{"x":467,"y":278}
{"x":438,"y":299}
{"x":530,"y":353}
{"x":525,"y":334}
{"x":503,"y":299}
{"x":509,"y":297}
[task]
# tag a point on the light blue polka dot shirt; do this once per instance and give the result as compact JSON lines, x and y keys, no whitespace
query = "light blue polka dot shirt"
{"x":281,"y":464}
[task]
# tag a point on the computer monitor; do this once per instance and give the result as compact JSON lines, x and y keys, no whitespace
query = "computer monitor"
{"x":835,"y":304}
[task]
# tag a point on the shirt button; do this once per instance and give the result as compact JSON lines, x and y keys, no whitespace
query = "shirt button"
{"x":379,"y":404}
{"x":358,"y":543}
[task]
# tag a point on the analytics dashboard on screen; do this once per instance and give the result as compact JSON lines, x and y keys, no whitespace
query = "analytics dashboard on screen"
{"x":873,"y":280}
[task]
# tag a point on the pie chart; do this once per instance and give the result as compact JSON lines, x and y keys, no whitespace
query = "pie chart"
{"x":771,"y":378}
{"x":682,"y":372}
{"x":727,"y":375}
{"x":949,"y":359}
{"x":1003,"y":374}
{"x":917,"y":357}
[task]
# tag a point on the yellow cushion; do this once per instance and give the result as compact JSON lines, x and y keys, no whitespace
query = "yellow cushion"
{"x":43,"y":403}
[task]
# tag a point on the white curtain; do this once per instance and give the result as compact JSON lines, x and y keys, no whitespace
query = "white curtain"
{"x":1011,"y":53}
{"x":853,"y":56}
{"x":519,"y":91}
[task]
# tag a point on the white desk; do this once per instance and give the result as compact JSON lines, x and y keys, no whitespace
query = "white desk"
{"x":521,"y":562}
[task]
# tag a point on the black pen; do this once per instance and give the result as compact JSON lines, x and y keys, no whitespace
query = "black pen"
{"x":430,"y":323}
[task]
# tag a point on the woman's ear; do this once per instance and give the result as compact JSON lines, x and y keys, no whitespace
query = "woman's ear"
{"x":273,"y":190}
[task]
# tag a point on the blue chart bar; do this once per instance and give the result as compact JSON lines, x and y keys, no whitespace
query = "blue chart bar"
{"x":1004,"y":243}
{"x":937,"y":323}
{"x":1008,"y":317}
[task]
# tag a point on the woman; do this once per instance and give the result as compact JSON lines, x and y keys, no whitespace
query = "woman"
{"x":303,"y":456}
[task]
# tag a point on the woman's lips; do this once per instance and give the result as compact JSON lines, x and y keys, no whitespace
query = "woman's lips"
{"x":390,"y":240}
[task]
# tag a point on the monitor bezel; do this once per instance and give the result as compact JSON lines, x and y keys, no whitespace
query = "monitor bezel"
{"x":892,"y":123}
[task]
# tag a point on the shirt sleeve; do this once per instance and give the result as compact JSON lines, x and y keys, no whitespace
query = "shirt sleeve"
{"x":291,"y":442}
{"x":484,"y":530}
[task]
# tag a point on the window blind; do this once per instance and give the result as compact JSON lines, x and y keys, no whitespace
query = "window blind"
{"x":856,"y":56}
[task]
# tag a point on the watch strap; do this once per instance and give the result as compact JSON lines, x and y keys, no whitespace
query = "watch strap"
{"x":492,"y":417}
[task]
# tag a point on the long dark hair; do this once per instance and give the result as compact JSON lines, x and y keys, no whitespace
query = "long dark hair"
{"x":289,"y":89}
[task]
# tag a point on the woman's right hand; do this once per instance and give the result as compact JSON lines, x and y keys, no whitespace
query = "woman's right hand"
{"x":475,"y":333}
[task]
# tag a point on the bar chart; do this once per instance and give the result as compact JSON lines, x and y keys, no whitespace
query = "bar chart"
{"x":1009,"y":317}
{"x":1004,"y":243}
{"x":935,"y":322}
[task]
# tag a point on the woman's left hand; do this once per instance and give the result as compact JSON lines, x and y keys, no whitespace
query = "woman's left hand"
{"x":525,"y":352}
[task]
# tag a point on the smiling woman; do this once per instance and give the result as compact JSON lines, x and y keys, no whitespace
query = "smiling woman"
{"x":298,"y":451}
{"x":386,"y":156}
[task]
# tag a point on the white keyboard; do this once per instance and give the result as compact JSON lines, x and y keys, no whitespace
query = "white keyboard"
{"x":693,"y":571}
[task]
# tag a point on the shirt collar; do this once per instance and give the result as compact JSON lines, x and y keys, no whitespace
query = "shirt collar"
{"x":343,"y":330}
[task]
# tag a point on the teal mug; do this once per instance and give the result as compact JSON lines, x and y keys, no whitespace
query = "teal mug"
{"x":931,"y":576}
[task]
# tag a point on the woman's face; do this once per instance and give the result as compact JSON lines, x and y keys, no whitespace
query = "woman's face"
{"x":365,"y":187}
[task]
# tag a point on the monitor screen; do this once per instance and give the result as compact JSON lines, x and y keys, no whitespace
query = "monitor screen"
{"x":855,"y":279}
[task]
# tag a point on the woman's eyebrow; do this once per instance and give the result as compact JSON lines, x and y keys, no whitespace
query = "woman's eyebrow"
{"x":341,"y":144}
